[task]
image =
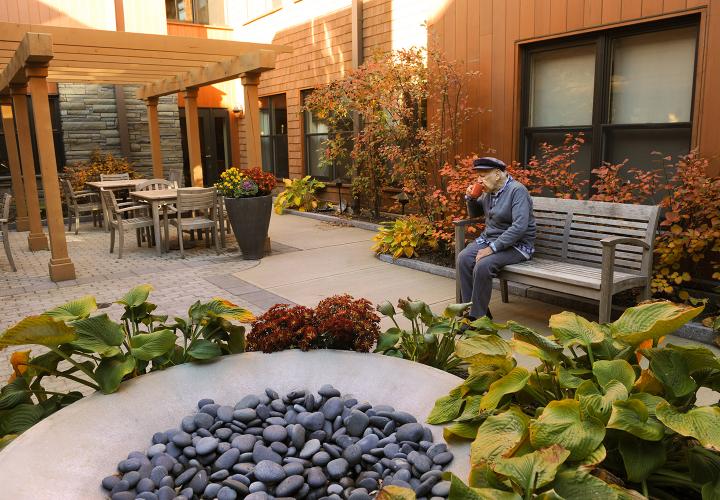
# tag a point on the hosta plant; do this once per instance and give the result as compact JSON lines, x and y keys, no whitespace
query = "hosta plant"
{"x":431,"y":338}
{"x":299,"y":194}
{"x":405,"y":237}
{"x":93,"y":350}
{"x":607,"y":412}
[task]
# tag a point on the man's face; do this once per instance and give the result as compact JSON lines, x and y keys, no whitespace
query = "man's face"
{"x":491,"y":179}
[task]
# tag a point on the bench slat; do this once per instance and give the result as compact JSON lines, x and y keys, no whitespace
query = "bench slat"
{"x":612,"y":230}
{"x":606,"y":221}
{"x":575,"y":274}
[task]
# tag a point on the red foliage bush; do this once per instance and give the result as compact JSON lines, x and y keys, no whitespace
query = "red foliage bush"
{"x":264,"y":180}
{"x":347,"y":323}
{"x":338,"y":322}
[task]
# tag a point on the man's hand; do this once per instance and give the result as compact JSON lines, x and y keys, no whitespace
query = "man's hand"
{"x":483,"y":252}
{"x":469,"y":190}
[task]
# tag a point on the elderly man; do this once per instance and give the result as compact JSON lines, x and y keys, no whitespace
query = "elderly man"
{"x":508,"y":237}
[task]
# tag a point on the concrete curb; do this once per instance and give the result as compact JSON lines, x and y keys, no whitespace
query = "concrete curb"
{"x":691,"y":331}
{"x":368,"y":226}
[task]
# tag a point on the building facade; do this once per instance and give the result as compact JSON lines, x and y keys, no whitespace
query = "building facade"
{"x":633,"y":76}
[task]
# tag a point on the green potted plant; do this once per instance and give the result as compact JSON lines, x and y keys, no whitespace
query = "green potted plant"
{"x":248,"y":201}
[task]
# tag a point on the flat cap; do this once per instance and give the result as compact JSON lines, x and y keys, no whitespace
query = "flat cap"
{"x":488,"y":163}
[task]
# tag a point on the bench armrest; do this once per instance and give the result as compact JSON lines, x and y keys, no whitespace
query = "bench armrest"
{"x":613,"y":241}
{"x":467,"y":222}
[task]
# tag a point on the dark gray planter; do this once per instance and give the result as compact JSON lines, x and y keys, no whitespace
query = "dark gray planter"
{"x":250,"y":219}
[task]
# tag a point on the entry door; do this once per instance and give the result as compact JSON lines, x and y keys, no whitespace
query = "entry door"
{"x":214,"y":126}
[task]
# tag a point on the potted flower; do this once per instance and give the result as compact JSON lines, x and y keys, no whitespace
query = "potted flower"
{"x":248,"y":201}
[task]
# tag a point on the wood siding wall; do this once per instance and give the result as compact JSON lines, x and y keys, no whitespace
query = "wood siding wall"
{"x":486,"y":36}
{"x":96,"y":14}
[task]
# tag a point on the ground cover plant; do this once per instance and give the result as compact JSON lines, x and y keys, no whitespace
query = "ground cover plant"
{"x":95,"y":351}
{"x":608,"y":412}
{"x":299,"y":194}
{"x":405,"y":237}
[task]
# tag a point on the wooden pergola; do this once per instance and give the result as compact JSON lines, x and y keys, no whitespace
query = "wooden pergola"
{"x":32,"y":55}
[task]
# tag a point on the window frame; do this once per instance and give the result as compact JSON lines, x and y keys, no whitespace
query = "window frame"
{"x":274,"y":136}
{"x":601,"y":127}
{"x":194,"y":14}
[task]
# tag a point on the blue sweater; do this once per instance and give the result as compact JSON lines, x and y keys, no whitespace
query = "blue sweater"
{"x":509,"y":219}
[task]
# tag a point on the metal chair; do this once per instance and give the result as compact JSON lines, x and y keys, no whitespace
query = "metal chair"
{"x":80,"y":202}
{"x":115,"y":177}
{"x":202,"y":200}
{"x":4,"y":232}
{"x":117,"y":223}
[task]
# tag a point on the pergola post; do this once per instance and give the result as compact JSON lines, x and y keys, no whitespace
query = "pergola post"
{"x":252,"y":118}
{"x":36,"y":238}
{"x":193,"y":136}
{"x":60,"y":266}
{"x":18,"y":189}
{"x":154,"y":128}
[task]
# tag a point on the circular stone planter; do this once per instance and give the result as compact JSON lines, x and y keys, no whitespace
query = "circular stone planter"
{"x":66,"y":455}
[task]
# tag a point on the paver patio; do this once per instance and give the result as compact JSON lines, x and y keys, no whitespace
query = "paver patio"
{"x":310,"y":260}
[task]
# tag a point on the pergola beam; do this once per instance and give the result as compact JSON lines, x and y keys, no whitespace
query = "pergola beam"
{"x":253,"y":62}
{"x":35,"y":48}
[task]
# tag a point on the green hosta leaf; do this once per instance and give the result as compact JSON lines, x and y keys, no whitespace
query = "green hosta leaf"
{"x":99,"y":334}
{"x":460,"y":491}
{"x":480,"y":347}
{"x":389,"y":339}
{"x":463,"y":430}
{"x":6,"y":440}
{"x":479,"y":381}
{"x":641,"y":458}
{"x":651,"y":321}
{"x":42,"y":330}
{"x":15,"y":393}
{"x":671,"y":369}
{"x":204,"y":349}
{"x":551,"y":350}
{"x":632,"y":416}
{"x":548,"y":495}
{"x":136,"y":296}
{"x":455,"y":310}
{"x":509,"y":384}
{"x":499,"y":436}
{"x":75,"y":309}
{"x":472,"y":411}
{"x":649,"y":400}
{"x":704,"y":464}
{"x":20,"y":418}
{"x":701,"y":423}
{"x":696,"y":357}
{"x":587,"y":388}
{"x":532,"y":351}
{"x":146,"y":346}
{"x":44,"y":364}
{"x":600,"y":406}
{"x":576,"y":484}
{"x":711,"y":490}
{"x":569,"y":379}
{"x":571,"y":329}
{"x":617,"y":369}
{"x":446,"y":408}
{"x":413,"y":308}
{"x":236,"y":342}
{"x":561,"y":423}
{"x":395,"y":493}
{"x":534,"y":470}
{"x":111,"y":371}
{"x":386,"y":309}
{"x":593,"y":459}
{"x":220,"y":308}
{"x":487,"y":325}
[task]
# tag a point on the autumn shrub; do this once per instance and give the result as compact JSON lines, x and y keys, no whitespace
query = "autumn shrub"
{"x":89,"y":171}
{"x":347,"y":323}
{"x":265,"y":180}
{"x":338,"y":322}
{"x":405,"y":237}
{"x":299,"y":194}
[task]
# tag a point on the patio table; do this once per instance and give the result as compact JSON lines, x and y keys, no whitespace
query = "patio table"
{"x":112,"y":186}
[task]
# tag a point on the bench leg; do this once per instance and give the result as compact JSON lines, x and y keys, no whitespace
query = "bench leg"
{"x":605,"y":307}
{"x":645,"y":293}
{"x":504,"y":291}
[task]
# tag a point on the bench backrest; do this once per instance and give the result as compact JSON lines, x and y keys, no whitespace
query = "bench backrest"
{"x":571,"y":230}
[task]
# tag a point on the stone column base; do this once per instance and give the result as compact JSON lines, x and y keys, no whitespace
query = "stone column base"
{"x":38,"y":241}
{"x":61,"y":269}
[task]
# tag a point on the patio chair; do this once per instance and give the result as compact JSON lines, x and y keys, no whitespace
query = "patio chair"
{"x":80,"y":202}
{"x":156,"y":185}
{"x":203,"y":200}
{"x":4,"y":232}
{"x":117,"y":223}
{"x":115,"y":177}
{"x":177,"y":177}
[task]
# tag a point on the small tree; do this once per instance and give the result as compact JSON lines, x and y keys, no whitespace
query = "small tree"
{"x":396,"y":145}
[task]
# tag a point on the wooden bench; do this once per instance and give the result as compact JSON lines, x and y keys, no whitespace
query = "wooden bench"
{"x":589,"y":249}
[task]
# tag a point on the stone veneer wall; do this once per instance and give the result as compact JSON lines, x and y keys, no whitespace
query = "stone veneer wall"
{"x":90,"y":122}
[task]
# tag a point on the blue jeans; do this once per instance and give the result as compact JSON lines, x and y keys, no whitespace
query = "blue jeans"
{"x":476,"y":278}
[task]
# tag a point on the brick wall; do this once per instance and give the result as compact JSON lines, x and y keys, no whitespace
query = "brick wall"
{"x":90,"y":122}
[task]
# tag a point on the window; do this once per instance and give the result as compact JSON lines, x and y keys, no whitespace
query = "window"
{"x":629,"y":92}
{"x":316,"y":134}
{"x":189,"y":11}
{"x":273,"y":135}
{"x":252,"y":9}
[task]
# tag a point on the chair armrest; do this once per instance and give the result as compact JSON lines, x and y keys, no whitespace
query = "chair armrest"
{"x":467,"y":222}
{"x":132,"y":208}
{"x":614,"y":241}
{"x":85,"y":195}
